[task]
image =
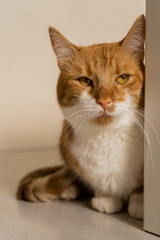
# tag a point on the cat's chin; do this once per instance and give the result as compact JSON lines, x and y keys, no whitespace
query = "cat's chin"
{"x":103,"y":119}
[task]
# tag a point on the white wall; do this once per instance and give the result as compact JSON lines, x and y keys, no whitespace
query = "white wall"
{"x":29,"y":114}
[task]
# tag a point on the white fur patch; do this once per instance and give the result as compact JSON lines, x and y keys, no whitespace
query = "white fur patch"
{"x":111,"y":155}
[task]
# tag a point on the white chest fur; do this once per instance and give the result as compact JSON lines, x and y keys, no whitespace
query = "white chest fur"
{"x":112,"y":159}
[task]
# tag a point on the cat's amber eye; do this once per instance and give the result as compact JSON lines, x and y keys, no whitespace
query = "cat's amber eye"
{"x":85,"y":81}
{"x":122,"y":79}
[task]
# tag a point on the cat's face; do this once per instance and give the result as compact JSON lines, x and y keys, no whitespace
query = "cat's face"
{"x":101,"y":82}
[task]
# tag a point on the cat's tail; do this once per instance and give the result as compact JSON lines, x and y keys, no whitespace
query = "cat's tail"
{"x":49,"y":183}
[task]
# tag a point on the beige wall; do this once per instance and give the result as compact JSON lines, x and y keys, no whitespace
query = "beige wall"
{"x":29,"y":115}
{"x":152,"y":120}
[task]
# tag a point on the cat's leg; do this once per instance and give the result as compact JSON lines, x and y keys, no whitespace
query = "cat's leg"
{"x":135,"y":207}
{"x":106,"y":204}
{"x":48,"y":184}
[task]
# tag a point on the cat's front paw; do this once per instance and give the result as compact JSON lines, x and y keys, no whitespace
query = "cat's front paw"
{"x":135,"y":208}
{"x":107,"y":204}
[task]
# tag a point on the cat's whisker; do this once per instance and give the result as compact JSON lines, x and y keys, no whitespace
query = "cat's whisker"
{"x":67,"y":124}
{"x":150,"y":124}
{"x":140,"y":109}
{"x":83,"y":110}
{"x":66,"y":134}
{"x":76,"y":121}
{"x":139,"y":123}
{"x":73,"y":114}
{"x":81,"y":124}
{"x":71,"y":109}
{"x":77,"y":106}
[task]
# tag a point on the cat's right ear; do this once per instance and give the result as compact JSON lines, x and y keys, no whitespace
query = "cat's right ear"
{"x":62,"y":47}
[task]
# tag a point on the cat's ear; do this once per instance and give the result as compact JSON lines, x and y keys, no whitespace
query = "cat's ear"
{"x":61,"y":46}
{"x":134,"y":40}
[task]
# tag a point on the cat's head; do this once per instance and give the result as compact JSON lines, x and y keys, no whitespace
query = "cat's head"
{"x":101,"y":82}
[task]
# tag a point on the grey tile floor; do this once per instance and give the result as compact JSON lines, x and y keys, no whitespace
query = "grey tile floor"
{"x":58,"y":220}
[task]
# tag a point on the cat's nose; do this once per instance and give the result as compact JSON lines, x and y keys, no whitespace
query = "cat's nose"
{"x":104,"y":102}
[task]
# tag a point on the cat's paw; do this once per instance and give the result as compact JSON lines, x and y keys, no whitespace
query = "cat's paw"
{"x":135,"y":208}
{"x":70,"y":193}
{"x":107,"y":204}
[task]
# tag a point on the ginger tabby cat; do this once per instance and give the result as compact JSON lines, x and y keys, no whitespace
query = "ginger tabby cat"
{"x":100,"y":92}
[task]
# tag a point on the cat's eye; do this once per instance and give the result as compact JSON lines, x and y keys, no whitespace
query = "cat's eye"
{"x":85,"y":81}
{"x":122,"y":79}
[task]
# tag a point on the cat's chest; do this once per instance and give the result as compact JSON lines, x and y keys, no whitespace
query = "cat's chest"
{"x":109,"y":159}
{"x":100,"y":154}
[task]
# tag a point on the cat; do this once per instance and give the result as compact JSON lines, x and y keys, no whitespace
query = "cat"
{"x":101,"y":93}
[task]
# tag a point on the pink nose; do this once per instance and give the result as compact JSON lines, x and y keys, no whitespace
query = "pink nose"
{"x":104,"y":102}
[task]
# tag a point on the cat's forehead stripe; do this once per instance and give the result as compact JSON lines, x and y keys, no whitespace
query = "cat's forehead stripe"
{"x":103,"y":59}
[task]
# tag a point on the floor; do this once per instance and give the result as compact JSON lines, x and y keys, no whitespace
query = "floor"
{"x":58,"y":220}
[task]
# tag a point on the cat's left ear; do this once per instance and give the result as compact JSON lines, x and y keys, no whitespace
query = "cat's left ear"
{"x":134,"y":41}
{"x":62,"y":47}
